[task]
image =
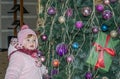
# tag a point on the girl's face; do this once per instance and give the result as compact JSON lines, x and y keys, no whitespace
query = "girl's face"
{"x":30,"y":42}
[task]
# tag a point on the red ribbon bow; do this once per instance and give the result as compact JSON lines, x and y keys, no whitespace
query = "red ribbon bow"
{"x":100,"y":50}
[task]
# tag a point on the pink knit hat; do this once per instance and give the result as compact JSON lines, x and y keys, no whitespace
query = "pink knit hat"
{"x":22,"y":34}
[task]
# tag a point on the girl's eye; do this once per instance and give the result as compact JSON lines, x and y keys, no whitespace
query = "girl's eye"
{"x":28,"y":40}
{"x":34,"y":40}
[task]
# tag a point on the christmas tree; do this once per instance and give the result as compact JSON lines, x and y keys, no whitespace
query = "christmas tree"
{"x":79,"y":39}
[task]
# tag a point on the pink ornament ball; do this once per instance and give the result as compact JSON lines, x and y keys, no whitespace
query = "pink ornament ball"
{"x":95,"y":30}
{"x":69,"y":12}
{"x":99,"y":7}
{"x":70,"y":58}
{"x":44,"y":37}
{"x":79,"y":24}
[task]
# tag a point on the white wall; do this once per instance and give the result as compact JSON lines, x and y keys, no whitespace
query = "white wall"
{"x":6,"y":19}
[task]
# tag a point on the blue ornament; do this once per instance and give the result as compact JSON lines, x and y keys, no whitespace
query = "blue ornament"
{"x":75,"y":45}
{"x":104,"y":28}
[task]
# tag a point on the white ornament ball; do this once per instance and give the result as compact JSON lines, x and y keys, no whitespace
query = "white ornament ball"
{"x":113,"y":33}
{"x":42,"y":58}
{"x":106,"y":2}
{"x":61,"y":19}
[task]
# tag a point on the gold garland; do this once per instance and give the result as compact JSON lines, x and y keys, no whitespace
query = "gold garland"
{"x":40,"y":21}
{"x":98,"y":2}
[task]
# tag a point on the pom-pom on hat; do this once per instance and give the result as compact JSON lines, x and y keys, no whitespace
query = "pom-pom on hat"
{"x":24,"y":32}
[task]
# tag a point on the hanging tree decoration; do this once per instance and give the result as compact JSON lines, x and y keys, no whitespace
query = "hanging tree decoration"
{"x":61,"y":49}
{"x":56,"y":63}
{"x":51,"y":11}
{"x":69,"y":12}
{"x":104,"y":27}
{"x":100,"y":7}
{"x":78,"y":24}
{"x":95,"y":29}
{"x":61,"y":19}
{"x":107,"y":14}
{"x":86,"y":11}
{"x":113,"y":33}
{"x":106,"y":2}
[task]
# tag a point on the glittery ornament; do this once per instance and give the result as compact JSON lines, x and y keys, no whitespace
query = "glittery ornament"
{"x":79,"y":24}
{"x":42,"y":58}
{"x":40,"y":53}
{"x":61,"y":19}
{"x":70,"y":58}
{"x":104,"y":28}
{"x":55,"y":63}
{"x":75,"y":45}
{"x":51,"y":11}
{"x":69,"y":12}
{"x":54,"y":72}
{"x":86,"y":11}
{"x":106,"y":2}
{"x":107,"y":14}
{"x":113,"y":33}
{"x":44,"y":37}
{"x":100,"y":7}
{"x":95,"y":30}
{"x":88,"y":75}
{"x":61,"y":49}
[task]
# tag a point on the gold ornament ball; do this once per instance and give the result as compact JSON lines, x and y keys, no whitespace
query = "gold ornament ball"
{"x":61,"y":19}
{"x":113,"y":33}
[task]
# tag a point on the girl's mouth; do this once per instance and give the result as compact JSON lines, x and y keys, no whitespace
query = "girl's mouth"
{"x":32,"y":46}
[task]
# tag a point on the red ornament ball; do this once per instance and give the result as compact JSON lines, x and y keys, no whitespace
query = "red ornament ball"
{"x":55,"y":63}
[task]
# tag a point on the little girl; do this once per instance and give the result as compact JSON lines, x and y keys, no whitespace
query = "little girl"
{"x":23,"y":60}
